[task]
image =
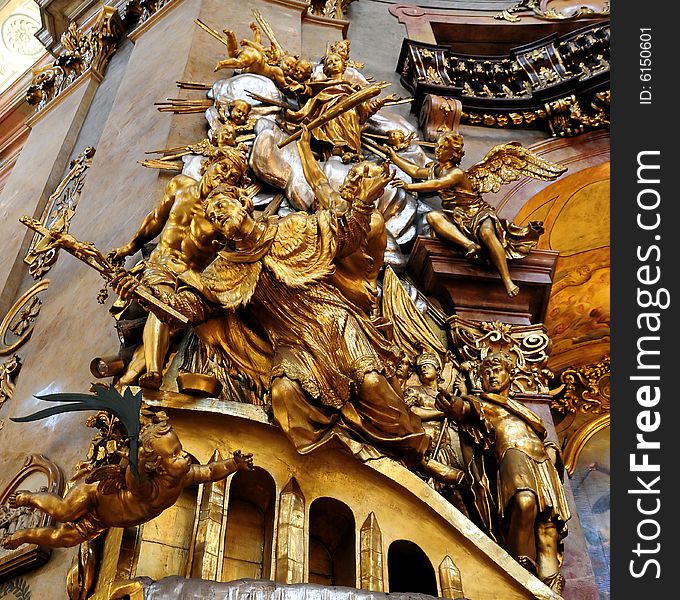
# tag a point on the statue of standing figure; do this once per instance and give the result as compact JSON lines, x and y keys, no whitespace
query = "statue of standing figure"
{"x":505,"y":442}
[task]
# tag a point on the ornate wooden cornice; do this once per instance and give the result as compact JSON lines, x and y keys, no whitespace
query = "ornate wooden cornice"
{"x":560,"y":82}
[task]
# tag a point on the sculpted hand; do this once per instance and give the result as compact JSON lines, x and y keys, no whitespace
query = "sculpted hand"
{"x":444,"y":401}
{"x":244,"y":462}
{"x":124,"y":285}
{"x":305,"y":136}
{"x":372,"y":188}
{"x":119,"y":253}
{"x":400,"y":183}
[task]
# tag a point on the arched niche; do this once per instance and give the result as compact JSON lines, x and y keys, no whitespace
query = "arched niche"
{"x":332,"y":543}
{"x":250,"y":525}
{"x":409,"y":569}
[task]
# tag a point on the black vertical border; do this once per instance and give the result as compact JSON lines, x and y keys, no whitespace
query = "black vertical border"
{"x":635,"y":128}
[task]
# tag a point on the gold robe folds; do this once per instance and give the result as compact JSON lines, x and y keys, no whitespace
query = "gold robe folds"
{"x":291,"y":323}
{"x":467,"y":210}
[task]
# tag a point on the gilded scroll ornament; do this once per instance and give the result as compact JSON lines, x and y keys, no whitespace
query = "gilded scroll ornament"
{"x":8,"y":373}
{"x":48,"y":478}
{"x":82,"y":51}
{"x":333,"y":9}
{"x":59,"y":210}
{"x":16,"y":327}
{"x":585,"y":389}
{"x":539,"y":9}
{"x":528,"y":344}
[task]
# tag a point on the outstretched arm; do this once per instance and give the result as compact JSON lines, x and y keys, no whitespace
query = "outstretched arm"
{"x":407,"y":166}
{"x":217,"y":470}
{"x":357,"y":220}
{"x":433,"y":185}
{"x":326,"y":196}
{"x":151,"y":226}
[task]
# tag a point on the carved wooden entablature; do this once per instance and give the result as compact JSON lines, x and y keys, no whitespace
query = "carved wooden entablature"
{"x":560,"y":83}
{"x":82,"y":50}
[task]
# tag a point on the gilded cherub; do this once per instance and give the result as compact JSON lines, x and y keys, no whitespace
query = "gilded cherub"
{"x":253,"y":57}
{"x":466,"y":219}
{"x":238,"y":115}
{"x":115,"y":497}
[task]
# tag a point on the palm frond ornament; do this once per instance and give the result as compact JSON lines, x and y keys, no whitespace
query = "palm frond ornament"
{"x":126,"y":407}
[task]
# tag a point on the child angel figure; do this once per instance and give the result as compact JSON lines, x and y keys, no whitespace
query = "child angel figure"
{"x":114,"y":497}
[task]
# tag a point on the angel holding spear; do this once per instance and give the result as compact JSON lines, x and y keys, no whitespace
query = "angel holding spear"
{"x":466,"y":219}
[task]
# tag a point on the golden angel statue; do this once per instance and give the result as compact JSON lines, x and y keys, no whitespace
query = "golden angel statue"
{"x":466,"y":219}
{"x":112,"y":496}
{"x":251,"y":56}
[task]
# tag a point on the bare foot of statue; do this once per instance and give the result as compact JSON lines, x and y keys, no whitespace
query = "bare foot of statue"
{"x":151,"y":380}
{"x":511,"y":288}
{"x":472,"y":251}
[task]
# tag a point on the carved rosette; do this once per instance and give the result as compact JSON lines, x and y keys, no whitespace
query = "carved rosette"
{"x":529,"y":345}
{"x":82,"y":51}
{"x":585,"y":389}
{"x":60,"y":207}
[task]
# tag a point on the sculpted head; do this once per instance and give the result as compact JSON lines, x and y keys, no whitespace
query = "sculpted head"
{"x":496,"y":372}
{"x":351,"y":185}
{"x":228,"y":169}
{"x":225,"y":135}
{"x":404,"y":367}
{"x":239,"y":111}
{"x":333,"y":65}
{"x":342,"y":48}
{"x":161,"y":451}
{"x":230,"y":210}
{"x":428,"y":368}
{"x":302,"y":71}
{"x":288,"y":64}
{"x":449,"y":147}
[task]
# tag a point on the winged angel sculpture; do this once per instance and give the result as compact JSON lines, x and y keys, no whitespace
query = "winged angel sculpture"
{"x":144,"y":478}
{"x":466,"y":219}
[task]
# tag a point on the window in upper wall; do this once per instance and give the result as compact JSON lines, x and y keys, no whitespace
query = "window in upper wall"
{"x":19,"y":49}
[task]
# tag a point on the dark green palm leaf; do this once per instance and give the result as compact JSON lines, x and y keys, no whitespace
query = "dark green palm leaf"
{"x":126,"y":407}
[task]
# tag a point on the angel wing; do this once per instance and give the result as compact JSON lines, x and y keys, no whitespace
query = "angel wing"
{"x":111,"y":478}
{"x":509,"y":162}
{"x":276,"y":51}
